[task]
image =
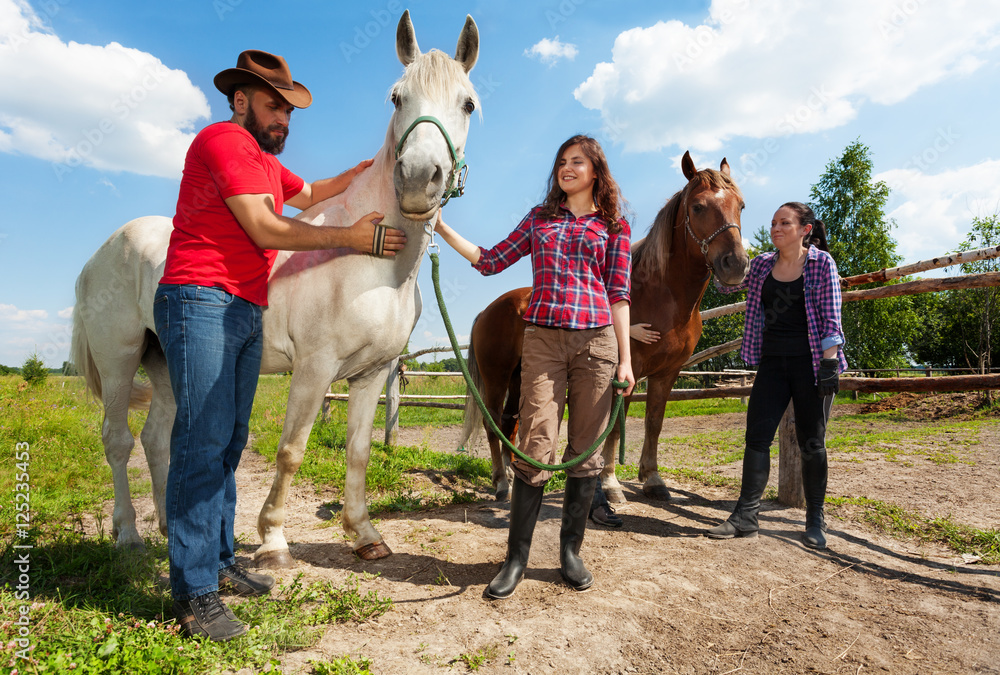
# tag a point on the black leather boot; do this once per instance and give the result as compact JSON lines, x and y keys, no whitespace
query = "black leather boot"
{"x":525,"y":503}
{"x":743,"y":521}
{"x":814,"y":473}
{"x":601,"y":511}
{"x":576,"y":507}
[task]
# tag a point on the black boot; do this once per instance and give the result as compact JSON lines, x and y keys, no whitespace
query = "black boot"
{"x":743,"y":521}
{"x":601,"y":511}
{"x":525,"y":503}
{"x":576,"y":507}
{"x":814,"y":472}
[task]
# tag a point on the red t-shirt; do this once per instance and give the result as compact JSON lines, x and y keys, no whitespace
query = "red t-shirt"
{"x":208,"y":246}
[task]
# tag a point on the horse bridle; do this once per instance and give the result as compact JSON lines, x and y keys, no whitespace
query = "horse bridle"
{"x":459,"y":169}
{"x":704,"y":243}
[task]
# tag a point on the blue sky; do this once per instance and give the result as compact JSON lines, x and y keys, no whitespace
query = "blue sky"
{"x":101,"y":99}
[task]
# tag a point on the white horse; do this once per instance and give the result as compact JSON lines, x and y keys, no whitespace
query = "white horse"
{"x":332,"y":314}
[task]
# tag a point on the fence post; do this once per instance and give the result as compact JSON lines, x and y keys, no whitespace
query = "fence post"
{"x":790,"y":491}
{"x":326,"y":406}
{"x":392,"y":403}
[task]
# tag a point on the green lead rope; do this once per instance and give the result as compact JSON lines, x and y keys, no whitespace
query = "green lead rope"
{"x":617,"y":410}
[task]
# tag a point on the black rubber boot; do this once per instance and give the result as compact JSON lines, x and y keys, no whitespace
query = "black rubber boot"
{"x":525,"y":503}
{"x":576,"y":507}
{"x":743,"y":521}
{"x":814,"y":473}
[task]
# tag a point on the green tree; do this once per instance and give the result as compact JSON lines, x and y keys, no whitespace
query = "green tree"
{"x":34,"y":371}
{"x":718,"y":331}
{"x":959,"y":328}
{"x":982,"y":302}
{"x":851,"y":205}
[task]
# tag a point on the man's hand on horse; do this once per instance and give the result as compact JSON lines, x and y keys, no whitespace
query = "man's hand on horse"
{"x":361,"y":166}
{"x":375,"y":238}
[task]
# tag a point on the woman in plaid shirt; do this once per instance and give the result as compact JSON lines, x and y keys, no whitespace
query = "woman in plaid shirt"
{"x":793,"y":331}
{"x":577,"y":337}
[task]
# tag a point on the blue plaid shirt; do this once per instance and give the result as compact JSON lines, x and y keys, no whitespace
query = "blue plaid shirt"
{"x":823,"y":302}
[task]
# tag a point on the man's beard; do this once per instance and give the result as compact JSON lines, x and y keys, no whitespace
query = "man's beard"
{"x":267,"y":142}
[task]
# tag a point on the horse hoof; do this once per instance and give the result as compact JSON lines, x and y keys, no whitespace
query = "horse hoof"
{"x":503,"y":495}
{"x":657,"y":492}
{"x":615,"y":495}
{"x":134,"y":548}
{"x":275,"y":560}
{"x":374,"y":551}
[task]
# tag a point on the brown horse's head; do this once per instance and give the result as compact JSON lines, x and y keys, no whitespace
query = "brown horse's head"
{"x":711,"y":205}
{"x":704,"y":217}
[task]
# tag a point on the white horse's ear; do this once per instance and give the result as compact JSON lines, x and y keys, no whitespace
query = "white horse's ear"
{"x":467,"y":51}
{"x":687,"y":165}
{"x":724,"y":167}
{"x":406,"y":40}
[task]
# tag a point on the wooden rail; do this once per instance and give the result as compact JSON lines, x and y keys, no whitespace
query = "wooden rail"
{"x":789,"y":474}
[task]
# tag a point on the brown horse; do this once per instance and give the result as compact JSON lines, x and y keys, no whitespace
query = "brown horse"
{"x":696,"y":233}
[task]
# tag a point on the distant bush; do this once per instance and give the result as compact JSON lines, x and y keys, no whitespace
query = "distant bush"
{"x":34,"y":371}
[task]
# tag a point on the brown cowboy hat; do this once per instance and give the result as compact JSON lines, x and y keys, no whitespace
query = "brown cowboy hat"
{"x":257,"y":67}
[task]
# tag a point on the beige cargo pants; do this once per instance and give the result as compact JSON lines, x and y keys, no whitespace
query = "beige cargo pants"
{"x":552,"y":360}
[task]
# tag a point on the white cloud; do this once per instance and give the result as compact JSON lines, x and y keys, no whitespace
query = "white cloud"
{"x":10,"y":314}
{"x":108,"y":107}
{"x":25,"y":331}
{"x":773,"y":68}
{"x":549,"y":51}
{"x":935,"y":211}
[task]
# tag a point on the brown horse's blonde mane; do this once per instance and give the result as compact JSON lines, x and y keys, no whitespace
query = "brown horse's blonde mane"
{"x":651,"y":256}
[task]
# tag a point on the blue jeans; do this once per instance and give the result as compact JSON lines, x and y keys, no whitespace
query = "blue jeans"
{"x":212,"y":341}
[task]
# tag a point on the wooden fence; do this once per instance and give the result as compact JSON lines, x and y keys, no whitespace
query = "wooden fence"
{"x":789,"y":462}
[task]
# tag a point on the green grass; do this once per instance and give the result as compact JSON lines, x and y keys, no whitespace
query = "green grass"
{"x":102,"y":609}
{"x":343,"y":665}
{"x":68,"y":474}
{"x":938,"y":442}
{"x":898,"y":522}
{"x":393,"y":481}
{"x":108,"y":611}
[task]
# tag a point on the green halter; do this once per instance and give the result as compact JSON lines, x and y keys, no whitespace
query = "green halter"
{"x":459,"y":169}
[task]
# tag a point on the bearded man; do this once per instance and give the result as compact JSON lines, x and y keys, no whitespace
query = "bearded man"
{"x":209,"y":309}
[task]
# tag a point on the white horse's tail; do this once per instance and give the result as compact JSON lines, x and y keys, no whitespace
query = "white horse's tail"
{"x":472,"y":422}
{"x":83,"y":361}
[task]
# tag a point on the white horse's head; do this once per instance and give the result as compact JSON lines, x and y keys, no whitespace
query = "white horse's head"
{"x":434,"y":101}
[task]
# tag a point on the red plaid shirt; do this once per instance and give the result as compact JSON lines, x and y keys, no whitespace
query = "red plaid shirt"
{"x":579,"y":268}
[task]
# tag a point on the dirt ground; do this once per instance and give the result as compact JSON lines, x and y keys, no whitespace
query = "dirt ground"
{"x":666,"y":599}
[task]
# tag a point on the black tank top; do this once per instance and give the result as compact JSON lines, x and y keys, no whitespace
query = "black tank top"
{"x":786,"y":331}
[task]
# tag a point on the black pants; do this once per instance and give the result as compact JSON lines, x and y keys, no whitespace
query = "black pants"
{"x":780,"y":379}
